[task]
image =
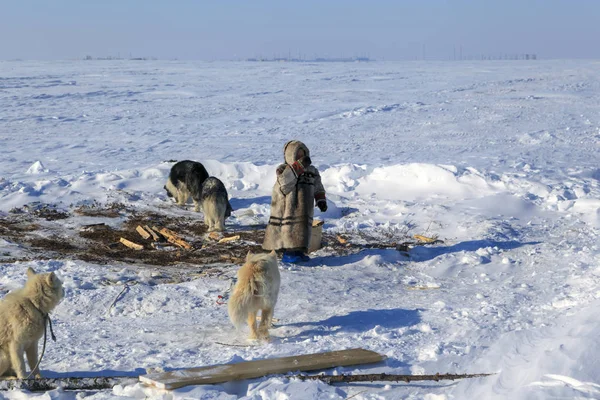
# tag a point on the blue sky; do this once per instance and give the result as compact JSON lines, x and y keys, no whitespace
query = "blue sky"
{"x":222,"y":29}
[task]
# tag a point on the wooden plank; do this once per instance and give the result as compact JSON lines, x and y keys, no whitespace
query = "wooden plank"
{"x":255,"y":369}
{"x":143,"y":233}
{"x":131,"y":245}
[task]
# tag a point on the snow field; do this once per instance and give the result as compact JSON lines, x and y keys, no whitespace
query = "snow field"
{"x":498,"y":159}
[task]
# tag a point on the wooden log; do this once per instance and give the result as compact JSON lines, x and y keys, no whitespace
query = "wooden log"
{"x":166,"y":232}
{"x":255,"y":369}
{"x":163,"y":246}
{"x":173,"y":238}
{"x":214,"y":235}
{"x":143,"y":233}
{"x":386,"y":377}
{"x":426,"y":239}
{"x":341,"y":240}
{"x":152,"y":232}
{"x":229,"y":239}
{"x":131,"y":244}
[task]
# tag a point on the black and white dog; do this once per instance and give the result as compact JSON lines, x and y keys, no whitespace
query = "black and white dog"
{"x":215,"y":204}
{"x":185,"y":180}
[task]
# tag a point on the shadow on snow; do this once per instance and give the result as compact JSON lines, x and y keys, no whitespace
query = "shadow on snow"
{"x":360,"y":321}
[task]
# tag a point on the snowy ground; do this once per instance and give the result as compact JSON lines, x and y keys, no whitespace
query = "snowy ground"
{"x":500,"y":159}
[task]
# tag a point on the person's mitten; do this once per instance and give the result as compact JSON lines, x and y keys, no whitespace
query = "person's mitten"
{"x":321,"y":201}
{"x":300,"y":165}
{"x":322,"y":204}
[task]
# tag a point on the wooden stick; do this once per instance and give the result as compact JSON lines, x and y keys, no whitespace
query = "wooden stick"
{"x":125,"y":288}
{"x":173,"y":237}
{"x":143,"y":233}
{"x":131,"y":245}
{"x":235,"y":345}
{"x":385,"y":377}
{"x":45,"y":384}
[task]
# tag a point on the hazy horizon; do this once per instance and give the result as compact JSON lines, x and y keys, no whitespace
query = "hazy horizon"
{"x":383,"y":30}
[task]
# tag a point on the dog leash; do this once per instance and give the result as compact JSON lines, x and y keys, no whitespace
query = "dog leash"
{"x":47,"y":322}
{"x":222,"y":298}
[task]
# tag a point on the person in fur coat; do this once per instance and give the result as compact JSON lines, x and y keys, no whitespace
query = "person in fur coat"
{"x":297,"y":189}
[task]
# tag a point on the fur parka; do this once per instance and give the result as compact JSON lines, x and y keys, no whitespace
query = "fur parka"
{"x":295,"y":192}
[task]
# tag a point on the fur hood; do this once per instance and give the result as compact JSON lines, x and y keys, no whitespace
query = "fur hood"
{"x":290,"y":151}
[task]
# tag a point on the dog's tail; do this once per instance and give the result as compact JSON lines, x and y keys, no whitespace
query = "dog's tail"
{"x":250,"y":287}
{"x":229,"y":210}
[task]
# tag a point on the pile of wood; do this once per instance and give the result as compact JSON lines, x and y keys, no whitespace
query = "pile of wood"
{"x":163,"y":238}
{"x":159,"y":238}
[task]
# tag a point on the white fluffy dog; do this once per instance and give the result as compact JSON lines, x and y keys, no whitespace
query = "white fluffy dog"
{"x":256,"y":289}
{"x":23,"y":315}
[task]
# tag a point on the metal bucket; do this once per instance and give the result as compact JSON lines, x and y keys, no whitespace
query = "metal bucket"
{"x":316,"y":235}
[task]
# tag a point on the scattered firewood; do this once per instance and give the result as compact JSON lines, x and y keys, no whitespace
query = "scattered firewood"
{"x":173,"y":238}
{"x":131,"y":244}
{"x":155,"y":236}
{"x":229,"y":239}
{"x":143,"y":233}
